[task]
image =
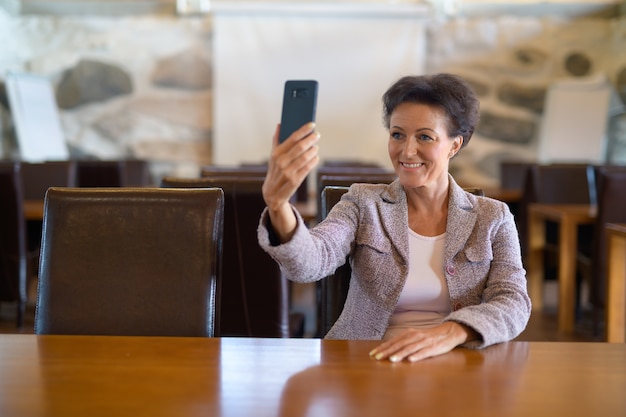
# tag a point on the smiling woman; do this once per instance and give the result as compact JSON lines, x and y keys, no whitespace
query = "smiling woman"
{"x":433,"y":266}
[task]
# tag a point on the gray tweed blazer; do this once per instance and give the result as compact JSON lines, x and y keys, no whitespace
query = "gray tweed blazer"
{"x":482,"y":261}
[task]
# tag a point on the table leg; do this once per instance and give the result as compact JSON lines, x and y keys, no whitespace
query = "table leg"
{"x":536,"y":243}
{"x":616,"y":290}
{"x":568,"y":236}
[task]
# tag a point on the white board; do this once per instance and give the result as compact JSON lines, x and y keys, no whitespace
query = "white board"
{"x":36,"y":119}
{"x":575,"y":119}
{"x":355,"y":52}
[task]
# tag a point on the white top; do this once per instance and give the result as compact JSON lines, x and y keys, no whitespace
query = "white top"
{"x":425,"y":299}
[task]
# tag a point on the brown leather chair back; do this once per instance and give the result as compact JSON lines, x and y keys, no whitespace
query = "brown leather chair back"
{"x":130,"y":261}
{"x":96,"y":173}
{"x":255,"y":296}
{"x":37,"y":177}
{"x":346,"y":179}
{"x":251,"y":170}
{"x":554,"y":184}
{"x":13,"y":261}
{"x":334,"y":288}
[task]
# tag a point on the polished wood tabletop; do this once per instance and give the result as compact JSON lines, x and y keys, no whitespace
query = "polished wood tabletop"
{"x":50,"y":376}
{"x":568,"y":217}
{"x":616,"y":283}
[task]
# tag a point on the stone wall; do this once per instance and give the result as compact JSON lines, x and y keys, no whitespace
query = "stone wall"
{"x":140,"y":86}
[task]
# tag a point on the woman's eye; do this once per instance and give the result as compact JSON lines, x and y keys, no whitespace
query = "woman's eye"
{"x":396,"y":135}
{"x":425,"y":138}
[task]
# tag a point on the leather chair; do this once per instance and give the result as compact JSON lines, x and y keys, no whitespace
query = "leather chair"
{"x":334,"y":288}
{"x":130,"y":261}
{"x":611,"y":189}
{"x":562,"y":183}
{"x":37,"y":177}
{"x":512,"y":177}
{"x":136,"y":173}
{"x":251,"y":170}
{"x":96,"y":173}
{"x":13,"y":260}
{"x":349,"y":176}
{"x":255,"y":296}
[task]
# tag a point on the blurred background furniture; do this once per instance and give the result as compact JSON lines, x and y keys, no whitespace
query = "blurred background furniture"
{"x":36,"y":178}
{"x":611,"y":187}
{"x":130,"y":261}
{"x":616,"y":283}
{"x":13,"y":260}
{"x":559,"y":183}
{"x":255,"y":297}
{"x":98,"y":173}
{"x":254,"y":170}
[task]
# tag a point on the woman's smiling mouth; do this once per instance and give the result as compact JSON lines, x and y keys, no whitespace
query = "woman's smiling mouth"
{"x":411,"y":165}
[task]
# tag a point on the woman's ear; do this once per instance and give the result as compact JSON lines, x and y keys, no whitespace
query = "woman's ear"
{"x":456,"y":145}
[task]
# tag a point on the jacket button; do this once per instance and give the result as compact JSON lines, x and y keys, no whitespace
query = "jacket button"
{"x":457,"y":306}
{"x":450,"y":269}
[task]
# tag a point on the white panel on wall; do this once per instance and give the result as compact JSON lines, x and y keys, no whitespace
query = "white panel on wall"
{"x":35,"y":114}
{"x":354,"y":51}
{"x":575,"y":119}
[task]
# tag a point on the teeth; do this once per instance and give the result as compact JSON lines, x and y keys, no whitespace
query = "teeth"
{"x":415,"y":165}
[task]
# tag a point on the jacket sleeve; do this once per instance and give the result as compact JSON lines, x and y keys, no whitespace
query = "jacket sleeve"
{"x":313,"y":254}
{"x":503,"y":310}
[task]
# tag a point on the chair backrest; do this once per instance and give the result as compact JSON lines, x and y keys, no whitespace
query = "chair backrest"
{"x":250,"y":170}
{"x":136,"y":173}
{"x":96,"y":173}
{"x":513,"y":174}
{"x":555,"y":184}
{"x":334,"y":288}
{"x":13,"y":261}
{"x":254,"y":294}
{"x":611,"y":209}
{"x":130,"y":261}
{"x":345,"y":179}
{"x":37,"y":177}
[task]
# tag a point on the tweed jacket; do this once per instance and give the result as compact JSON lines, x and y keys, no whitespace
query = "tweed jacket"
{"x":482,"y":261}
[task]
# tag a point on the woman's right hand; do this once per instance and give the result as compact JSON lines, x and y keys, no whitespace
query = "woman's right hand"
{"x":290,"y":163}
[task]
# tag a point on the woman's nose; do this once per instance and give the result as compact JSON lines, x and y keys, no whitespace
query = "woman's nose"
{"x":410,"y":147}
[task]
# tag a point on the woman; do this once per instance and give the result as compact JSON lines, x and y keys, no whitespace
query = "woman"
{"x":433,"y":267}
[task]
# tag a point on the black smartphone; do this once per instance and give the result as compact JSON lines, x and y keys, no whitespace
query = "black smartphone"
{"x":299,"y":104}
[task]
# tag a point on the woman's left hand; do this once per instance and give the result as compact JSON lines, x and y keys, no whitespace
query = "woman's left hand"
{"x":417,"y":344}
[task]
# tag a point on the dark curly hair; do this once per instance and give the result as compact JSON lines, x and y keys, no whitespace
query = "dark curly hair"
{"x":447,"y":91}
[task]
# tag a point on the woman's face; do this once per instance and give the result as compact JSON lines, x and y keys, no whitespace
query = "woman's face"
{"x":419,"y":146}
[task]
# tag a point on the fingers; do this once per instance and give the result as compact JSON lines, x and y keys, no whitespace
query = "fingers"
{"x":290,"y":163}
{"x":417,"y":344}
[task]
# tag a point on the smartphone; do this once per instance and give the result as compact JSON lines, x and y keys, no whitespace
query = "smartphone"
{"x":299,"y":104}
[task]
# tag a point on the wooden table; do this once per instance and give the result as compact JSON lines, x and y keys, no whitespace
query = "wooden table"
{"x":616,"y":283}
{"x":568,"y":217}
{"x":33,"y":210}
{"x":50,"y":376}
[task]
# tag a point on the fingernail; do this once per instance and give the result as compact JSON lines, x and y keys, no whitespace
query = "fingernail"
{"x":379,"y":356}
{"x":373,"y":352}
{"x":394,"y":359}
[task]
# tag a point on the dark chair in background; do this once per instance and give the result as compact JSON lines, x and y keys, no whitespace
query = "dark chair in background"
{"x":13,"y":261}
{"x":255,"y":297}
{"x":136,"y":173}
{"x":512,"y":177}
{"x":611,"y":187}
{"x":559,"y":183}
{"x":344,"y":176}
{"x":251,"y":170}
{"x":36,"y":178}
{"x":130,"y":261}
{"x":334,"y":288}
{"x":96,"y":173}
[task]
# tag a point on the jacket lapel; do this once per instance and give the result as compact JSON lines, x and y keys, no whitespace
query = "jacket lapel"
{"x":393,"y":214}
{"x":461,"y":220}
